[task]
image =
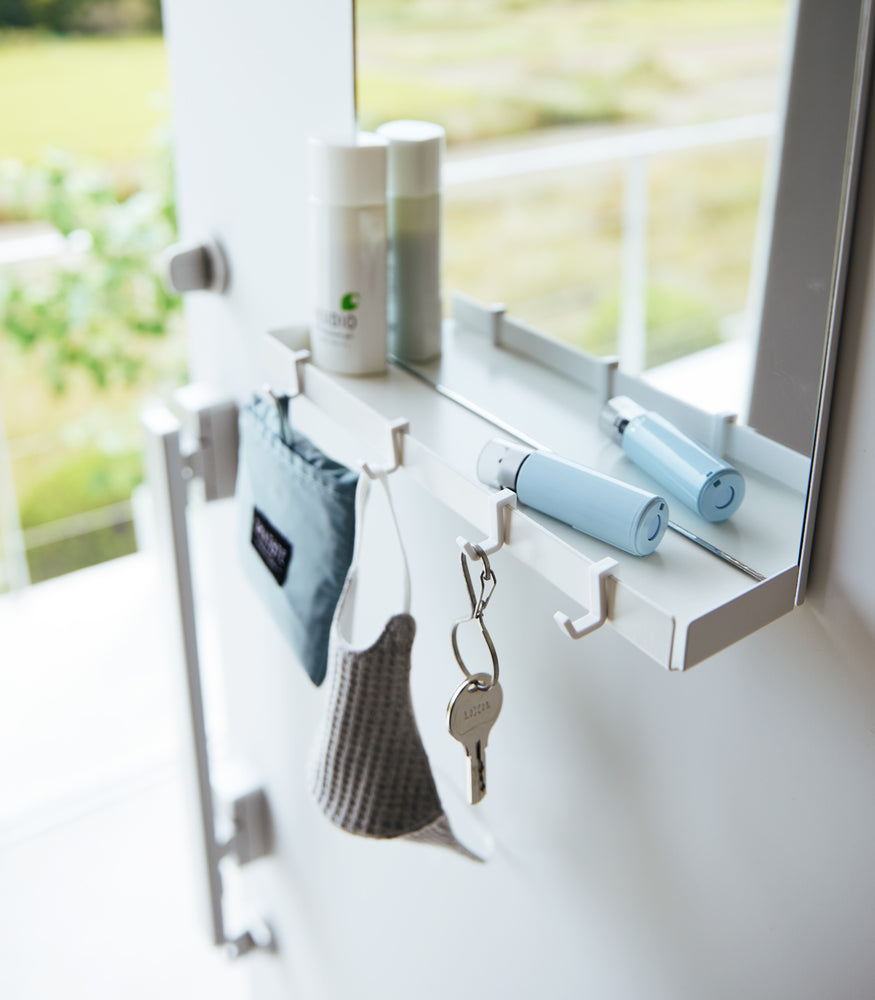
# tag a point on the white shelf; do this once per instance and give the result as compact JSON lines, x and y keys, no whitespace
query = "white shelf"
{"x":679,"y":605}
{"x":560,"y":412}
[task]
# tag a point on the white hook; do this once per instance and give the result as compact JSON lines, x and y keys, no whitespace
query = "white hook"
{"x":299,"y":359}
{"x":397,"y":430}
{"x":500,"y":501}
{"x":597,"y":604}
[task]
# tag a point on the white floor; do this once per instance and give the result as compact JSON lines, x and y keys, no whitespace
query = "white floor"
{"x":97,"y":895}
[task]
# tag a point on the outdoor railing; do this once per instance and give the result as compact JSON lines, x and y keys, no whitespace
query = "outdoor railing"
{"x":634,"y":150}
{"x":15,"y":540}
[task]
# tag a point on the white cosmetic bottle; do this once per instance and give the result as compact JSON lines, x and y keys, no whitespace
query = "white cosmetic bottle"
{"x":414,"y":218}
{"x":348,"y":247}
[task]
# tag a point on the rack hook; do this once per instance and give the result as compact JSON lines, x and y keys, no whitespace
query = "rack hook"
{"x":597,"y":604}
{"x":500,"y":501}
{"x":299,"y":359}
{"x":397,"y":430}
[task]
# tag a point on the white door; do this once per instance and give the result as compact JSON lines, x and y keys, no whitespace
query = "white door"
{"x":354,"y":916}
{"x":616,"y":870}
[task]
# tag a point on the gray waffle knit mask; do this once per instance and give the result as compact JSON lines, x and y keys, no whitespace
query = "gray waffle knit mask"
{"x":371,"y":775}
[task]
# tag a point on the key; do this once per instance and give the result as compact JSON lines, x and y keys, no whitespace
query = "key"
{"x":471,"y":714}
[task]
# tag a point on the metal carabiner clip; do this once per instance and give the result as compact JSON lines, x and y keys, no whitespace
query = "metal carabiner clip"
{"x":488,"y":581}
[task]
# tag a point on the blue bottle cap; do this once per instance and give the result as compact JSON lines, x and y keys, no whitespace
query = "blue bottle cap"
{"x":651,"y":527}
{"x":721,"y":495}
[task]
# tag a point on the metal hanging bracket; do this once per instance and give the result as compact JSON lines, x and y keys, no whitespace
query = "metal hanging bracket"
{"x":397,"y":430}
{"x":279,"y":351}
{"x":501,"y":502}
{"x":299,"y":360}
{"x":210,"y":455}
{"x":597,"y":602}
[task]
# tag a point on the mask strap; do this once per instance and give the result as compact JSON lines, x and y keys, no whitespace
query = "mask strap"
{"x":362,"y":495}
{"x":384,"y":479}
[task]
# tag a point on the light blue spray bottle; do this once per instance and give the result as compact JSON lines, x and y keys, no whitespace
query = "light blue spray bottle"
{"x":622,"y":515}
{"x":687,"y":469}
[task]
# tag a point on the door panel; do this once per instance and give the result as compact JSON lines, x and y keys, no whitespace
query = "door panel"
{"x":354,"y":917}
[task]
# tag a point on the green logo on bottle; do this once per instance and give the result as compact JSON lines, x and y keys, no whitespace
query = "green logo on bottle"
{"x":350,"y":302}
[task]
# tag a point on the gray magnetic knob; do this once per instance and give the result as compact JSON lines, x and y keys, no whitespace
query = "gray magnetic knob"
{"x":195,"y":267}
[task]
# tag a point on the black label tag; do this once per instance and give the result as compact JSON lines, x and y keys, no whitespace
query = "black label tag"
{"x":275,"y":551}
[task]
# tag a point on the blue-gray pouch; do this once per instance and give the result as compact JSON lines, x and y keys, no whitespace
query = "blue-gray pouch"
{"x":296,"y":526}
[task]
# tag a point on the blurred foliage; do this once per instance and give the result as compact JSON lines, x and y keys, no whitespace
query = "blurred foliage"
{"x":82,"y":480}
{"x":56,"y":15}
{"x":469,"y":115}
{"x":99,"y":314}
{"x":102,"y":305}
{"x":82,"y":15}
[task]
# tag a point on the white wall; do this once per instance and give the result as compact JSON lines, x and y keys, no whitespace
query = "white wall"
{"x":744,"y":808}
{"x":709,"y":835}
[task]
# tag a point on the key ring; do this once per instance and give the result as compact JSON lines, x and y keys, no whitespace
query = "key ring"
{"x":488,"y":581}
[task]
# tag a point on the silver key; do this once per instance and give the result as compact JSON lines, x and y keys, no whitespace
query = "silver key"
{"x":471,"y":714}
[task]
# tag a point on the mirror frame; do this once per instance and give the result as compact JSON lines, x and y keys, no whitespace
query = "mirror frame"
{"x":860,"y":104}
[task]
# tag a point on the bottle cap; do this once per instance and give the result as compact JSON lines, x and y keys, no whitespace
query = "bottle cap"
{"x":415,"y":153}
{"x":499,"y":463}
{"x":348,"y":170}
{"x":616,"y":413}
{"x":650,"y":526}
{"x":721,"y":494}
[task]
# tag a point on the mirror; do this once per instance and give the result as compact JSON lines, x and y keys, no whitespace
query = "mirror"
{"x":660,"y":182}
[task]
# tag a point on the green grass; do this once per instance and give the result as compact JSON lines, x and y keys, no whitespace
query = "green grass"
{"x":468,"y":114}
{"x":100,"y":98}
{"x":65,"y":482}
{"x":488,"y":68}
{"x":496,"y":67}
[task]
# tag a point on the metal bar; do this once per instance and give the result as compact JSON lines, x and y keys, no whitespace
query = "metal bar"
{"x":607,"y":149}
{"x":632,"y":336}
{"x":78,"y":524}
{"x":165,"y":465}
{"x":13,"y":553}
{"x":38,"y":244}
{"x":169,"y":470}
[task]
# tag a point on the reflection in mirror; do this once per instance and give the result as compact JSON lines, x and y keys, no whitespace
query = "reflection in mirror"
{"x":654,"y":181}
